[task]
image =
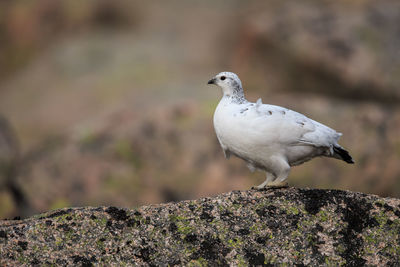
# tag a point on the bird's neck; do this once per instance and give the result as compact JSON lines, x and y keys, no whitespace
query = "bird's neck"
{"x":235,"y":95}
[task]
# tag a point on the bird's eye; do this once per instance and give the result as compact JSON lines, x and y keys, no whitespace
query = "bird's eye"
{"x":223,"y":78}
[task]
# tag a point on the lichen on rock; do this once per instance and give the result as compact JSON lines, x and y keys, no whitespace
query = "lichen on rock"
{"x":240,"y":228}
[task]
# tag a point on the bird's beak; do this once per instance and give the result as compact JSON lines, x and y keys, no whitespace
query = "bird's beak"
{"x":212,"y":81}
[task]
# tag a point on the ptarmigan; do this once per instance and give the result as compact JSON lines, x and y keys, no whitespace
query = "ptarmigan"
{"x":268,"y":137}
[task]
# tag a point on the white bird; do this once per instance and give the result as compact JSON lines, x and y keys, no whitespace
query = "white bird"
{"x":268,"y":137}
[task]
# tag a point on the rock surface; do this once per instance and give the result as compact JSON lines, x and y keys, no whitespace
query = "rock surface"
{"x":302,"y":226}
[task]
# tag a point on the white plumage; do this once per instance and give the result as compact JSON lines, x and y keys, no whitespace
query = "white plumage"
{"x":268,"y":137}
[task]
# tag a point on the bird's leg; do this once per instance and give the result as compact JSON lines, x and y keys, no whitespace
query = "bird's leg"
{"x":280,"y":181}
{"x":277,"y":184}
{"x":269,"y":178}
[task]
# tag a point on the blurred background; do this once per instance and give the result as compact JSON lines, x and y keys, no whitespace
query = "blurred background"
{"x":106,"y":103}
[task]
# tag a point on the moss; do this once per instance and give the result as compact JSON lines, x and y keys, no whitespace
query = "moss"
{"x":297,"y":254}
{"x":296,"y":233}
{"x":303,"y":225}
{"x":340,"y":248}
{"x":183,"y":224}
{"x":292,"y":210}
{"x":235,"y":243}
{"x":288,"y":207}
{"x":255,"y":228}
{"x":221,"y":208}
{"x":390,"y":250}
{"x":323,"y":215}
{"x":63,"y":218}
{"x":241,"y":262}
{"x":382,"y":235}
{"x":100,"y":244}
{"x":379,"y":202}
{"x":189,"y":250}
{"x":102,"y":222}
{"x":369,"y":251}
{"x":328,"y":262}
{"x":235,"y":206}
{"x":262,"y":205}
{"x":270,"y":259}
{"x":59,"y":241}
{"x":200,"y":262}
{"x":22,"y":259}
{"x":107,"y":259}
{"x":69,"y":235}
{"x":381,"y":218}
{"x":35,"y":248}
{"x":176,"y":218}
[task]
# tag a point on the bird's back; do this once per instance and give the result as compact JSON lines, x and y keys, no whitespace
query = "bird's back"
{"x":257,"y":131}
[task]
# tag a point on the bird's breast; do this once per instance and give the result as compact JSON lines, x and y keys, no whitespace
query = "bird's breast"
{"x":235,"y":132}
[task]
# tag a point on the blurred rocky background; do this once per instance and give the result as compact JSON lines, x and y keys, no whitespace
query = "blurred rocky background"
{"x":106,"y":102}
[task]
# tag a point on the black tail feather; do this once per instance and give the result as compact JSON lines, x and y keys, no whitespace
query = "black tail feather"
{"x":343,"y":154}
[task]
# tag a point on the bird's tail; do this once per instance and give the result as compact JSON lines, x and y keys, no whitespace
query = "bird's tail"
{"x":341,"y":153}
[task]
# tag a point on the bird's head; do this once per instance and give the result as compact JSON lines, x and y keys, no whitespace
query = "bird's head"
{"x":228,"y":81}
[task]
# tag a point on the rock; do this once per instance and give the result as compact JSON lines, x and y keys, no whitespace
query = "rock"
{"x":294,"y":226}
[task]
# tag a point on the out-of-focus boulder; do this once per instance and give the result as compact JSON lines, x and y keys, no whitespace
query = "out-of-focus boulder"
{"x":9,"y":152}
{"x":9,"y":169}
{"x":340,"y":48}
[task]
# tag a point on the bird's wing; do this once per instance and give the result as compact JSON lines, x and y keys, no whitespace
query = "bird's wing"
{"x":269,"y":123}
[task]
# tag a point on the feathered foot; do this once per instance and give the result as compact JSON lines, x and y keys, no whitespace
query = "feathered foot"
{"x":271,"y":185}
